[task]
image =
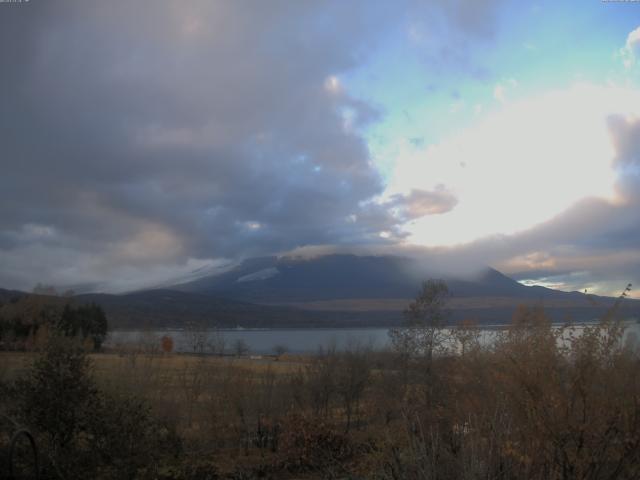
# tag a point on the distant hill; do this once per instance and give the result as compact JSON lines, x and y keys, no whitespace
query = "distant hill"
{"x":9,"y":295}
{"x":332,"y":291}
{"x":173,"y":308}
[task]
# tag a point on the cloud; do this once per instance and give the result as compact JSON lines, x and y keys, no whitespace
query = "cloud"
{"x":150,"y":137}
{"x":625,"y":136}
{"x":419,"y":203}
{"x":501,"y":89}
{"x":520,"y":165}
{"x":594,"y":244}
{"x":157,"y":132}
{"x":545,"y":187}
{"x":445,"y":34}
{"x":631,"y":50}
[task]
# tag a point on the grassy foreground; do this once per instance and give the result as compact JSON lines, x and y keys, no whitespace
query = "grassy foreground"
{"x":527,"y":407}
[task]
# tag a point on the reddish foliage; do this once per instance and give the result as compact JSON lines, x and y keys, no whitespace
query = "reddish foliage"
{"x":166,"y":343}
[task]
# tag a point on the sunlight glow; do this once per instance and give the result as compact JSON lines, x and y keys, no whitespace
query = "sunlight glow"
{"x":332,"y":84}
{"x":519,"y":166}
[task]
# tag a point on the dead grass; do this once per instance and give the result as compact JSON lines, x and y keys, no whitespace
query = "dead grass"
{"x":13,"y":364}
{"x":107,"y":361}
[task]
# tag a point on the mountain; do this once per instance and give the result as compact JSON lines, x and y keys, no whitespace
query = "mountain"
{"x":373,"y":285}
{"x":332,"y":291}
{"x":293,"y":279}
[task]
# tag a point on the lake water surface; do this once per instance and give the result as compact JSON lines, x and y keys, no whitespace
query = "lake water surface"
{"x":264,"y":341}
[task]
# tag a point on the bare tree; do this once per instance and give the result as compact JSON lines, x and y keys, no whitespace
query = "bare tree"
{"x":353,"y":376}
{"x":425,"y":317}
{"x":240,"y":347}
{"x":193,"y":380}
{"x":196,"y":337}
{"x":216,"y":342}
{"x":422,"y":335}
{"x":280,"y":350}
{"x":321,"y":376}
{"x":467,"y":335}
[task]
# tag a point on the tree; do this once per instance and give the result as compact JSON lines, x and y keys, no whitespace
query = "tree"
{"x":82,"y":430}
{"x":353,"y":376}
{"x":280,"y":350}
{"x":216,"y":342}
{"x":196,"y":337}
{"x":57,"y":398}
{"x":41,"y":289}
{"x":240,"y":347}
{"x":88,"y":321}
{"x":424,"y":319}
{"x":467,"y":335}
{"x":422,"y":334}
{"x":321,"y":376}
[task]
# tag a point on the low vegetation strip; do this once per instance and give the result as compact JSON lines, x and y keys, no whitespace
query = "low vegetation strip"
{"x":525,"y":407}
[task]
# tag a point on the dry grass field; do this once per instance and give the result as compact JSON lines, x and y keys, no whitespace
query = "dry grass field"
{"x":526,"y":407}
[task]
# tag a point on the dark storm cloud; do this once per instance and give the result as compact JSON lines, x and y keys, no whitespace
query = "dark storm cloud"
{"x":144,"y":134}
{"x":125,"y":125}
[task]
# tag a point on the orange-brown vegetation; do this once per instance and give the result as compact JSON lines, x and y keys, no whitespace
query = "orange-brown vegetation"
{"x":540,"y":402}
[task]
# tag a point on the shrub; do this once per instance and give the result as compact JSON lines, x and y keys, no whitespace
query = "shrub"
{"x":308,"y":444}
{"x":83,"y":432}
{"x":166,"y":344}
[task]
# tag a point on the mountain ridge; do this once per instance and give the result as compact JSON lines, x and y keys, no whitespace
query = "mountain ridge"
{"x":331,"y":291}
{"x":350,"y":276}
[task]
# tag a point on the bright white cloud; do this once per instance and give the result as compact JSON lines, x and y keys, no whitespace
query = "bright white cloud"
{"x":519,"y":166}
{"x":332,"y":84}
{"x":630,"y":52}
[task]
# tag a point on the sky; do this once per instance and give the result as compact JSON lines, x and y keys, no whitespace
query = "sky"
{"x":143,"y":141}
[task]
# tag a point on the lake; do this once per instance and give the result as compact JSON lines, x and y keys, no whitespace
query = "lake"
{"x":264,"y":341}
